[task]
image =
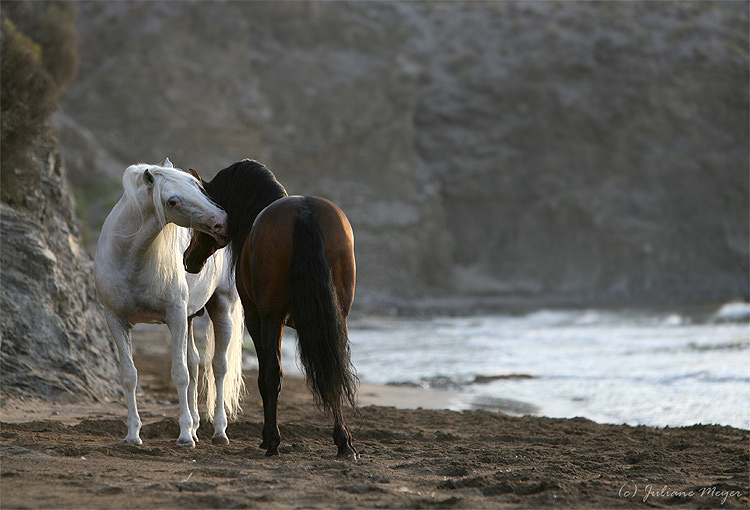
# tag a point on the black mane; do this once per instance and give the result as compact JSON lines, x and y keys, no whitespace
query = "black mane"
{"x":243,"y":190}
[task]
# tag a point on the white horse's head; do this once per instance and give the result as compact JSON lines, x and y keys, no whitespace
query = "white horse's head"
{"x":176,"y":197}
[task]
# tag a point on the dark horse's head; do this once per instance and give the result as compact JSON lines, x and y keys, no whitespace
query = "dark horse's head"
{"x":201,"y":247}
{"x":243,"y":190}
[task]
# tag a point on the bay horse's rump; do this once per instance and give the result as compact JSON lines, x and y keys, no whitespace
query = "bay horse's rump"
{"x":264,"y":266}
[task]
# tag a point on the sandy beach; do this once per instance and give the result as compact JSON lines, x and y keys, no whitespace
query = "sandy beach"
{"x":71,"y":455}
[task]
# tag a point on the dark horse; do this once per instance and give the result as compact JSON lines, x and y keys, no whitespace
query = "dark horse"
{"x":294,"y":265}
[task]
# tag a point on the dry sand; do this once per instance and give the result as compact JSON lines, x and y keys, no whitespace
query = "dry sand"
{"x":72,"y":456}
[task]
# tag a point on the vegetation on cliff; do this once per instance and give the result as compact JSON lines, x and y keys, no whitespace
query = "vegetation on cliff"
{"x":39,"y":60}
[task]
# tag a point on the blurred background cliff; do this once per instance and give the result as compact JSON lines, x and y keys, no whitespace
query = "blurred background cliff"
{"x":572,"y":153}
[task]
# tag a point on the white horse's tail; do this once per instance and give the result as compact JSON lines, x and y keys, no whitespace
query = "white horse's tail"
{"x":207,"y":381}
{"x":234,"y":385}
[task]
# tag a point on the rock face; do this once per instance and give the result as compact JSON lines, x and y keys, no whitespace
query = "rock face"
{"x":572,"y":153}
{"x":53,"y":339}
{"x":55,"y":342}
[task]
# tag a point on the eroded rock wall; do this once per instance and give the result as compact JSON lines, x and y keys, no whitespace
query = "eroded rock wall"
{"x":53,"y":339}
{"x":55,"y":342}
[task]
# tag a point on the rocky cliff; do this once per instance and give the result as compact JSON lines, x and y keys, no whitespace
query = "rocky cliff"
{"x":557,"y":152}
{"x":54,"y":342}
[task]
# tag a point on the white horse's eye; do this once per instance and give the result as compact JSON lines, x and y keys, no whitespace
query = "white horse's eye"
{"x":173,"y":202}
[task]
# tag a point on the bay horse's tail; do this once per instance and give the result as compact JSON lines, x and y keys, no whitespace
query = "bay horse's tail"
{"x":321,"y":326}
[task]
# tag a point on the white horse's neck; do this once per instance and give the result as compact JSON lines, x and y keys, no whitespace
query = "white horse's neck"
{"x":141,"y":244}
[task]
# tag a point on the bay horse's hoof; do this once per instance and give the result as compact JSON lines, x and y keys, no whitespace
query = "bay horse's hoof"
{"x":272,"y":452}
{"x":220,"y":440}
{"x":351,"y":455}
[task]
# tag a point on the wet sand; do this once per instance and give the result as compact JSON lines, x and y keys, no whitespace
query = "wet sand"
{"x":72,"y":456}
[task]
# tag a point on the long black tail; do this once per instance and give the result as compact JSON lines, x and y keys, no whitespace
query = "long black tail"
{"x":321,"y":327}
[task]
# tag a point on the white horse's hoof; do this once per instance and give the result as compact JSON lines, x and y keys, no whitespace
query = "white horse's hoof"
{"x":133,"y":440}
{"x":222,"y":440}
{"x":187,"y":443}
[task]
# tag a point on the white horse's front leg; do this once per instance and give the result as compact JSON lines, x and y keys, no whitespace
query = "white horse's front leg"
{"x":177,"y":322}
{"x":193,"y":359}
{"x":128,"y":374}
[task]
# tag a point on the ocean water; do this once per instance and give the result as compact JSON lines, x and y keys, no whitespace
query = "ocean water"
{"x":657,"y":369}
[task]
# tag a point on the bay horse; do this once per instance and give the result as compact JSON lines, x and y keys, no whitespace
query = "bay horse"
{"x":140,"y":279}
{"x":294,"y":265}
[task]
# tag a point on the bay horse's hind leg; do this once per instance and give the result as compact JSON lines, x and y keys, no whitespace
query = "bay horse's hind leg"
{"x":252,"y":322}
{"x":271,"y":375}
{"x":343,"y":439}
{"x":128,"y":374}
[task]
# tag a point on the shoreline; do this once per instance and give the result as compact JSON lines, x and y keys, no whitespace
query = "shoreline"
{"x":405,"y":397}
{"x":73,"y":411}
{"x":17,"y":410}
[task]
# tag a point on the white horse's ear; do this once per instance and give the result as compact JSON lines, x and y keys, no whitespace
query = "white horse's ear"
{"x":167,"y":163}
{"x":148,"y":178}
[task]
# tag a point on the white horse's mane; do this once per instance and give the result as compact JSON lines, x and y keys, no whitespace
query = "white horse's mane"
{"x":165,"y":249}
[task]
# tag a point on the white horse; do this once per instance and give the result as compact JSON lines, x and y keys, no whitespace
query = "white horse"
{"x":140,"y":278}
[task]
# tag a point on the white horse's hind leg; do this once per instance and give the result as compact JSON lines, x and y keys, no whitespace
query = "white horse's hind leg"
{"x":177,"y":322}
{"x":222,"y":322}
{"x":128,"y":374}
{"x":192,"y":359}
